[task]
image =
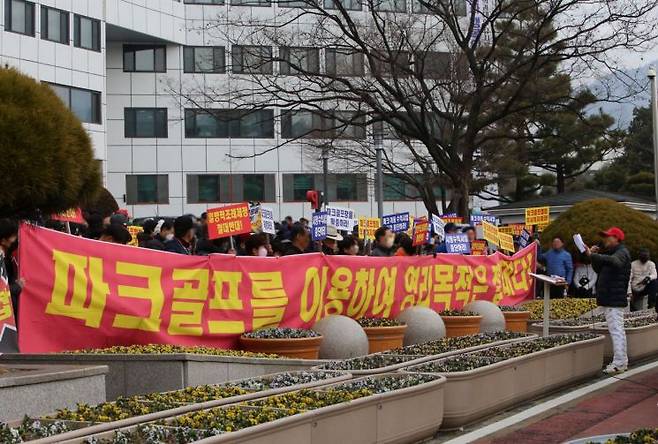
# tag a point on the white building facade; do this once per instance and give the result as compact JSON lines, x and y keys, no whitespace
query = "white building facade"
{"x":120,"y":65}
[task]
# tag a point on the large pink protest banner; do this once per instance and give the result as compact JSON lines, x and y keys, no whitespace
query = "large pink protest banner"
{"x":82,"y":293}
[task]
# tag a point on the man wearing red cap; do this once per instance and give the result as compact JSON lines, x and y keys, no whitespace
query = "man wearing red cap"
{"x":613,"y":266}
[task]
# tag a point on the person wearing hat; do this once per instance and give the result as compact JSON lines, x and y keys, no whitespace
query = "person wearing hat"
{"x":613,"y":267}
{"x":643,"y":281}
{"x":183,"y":236}
{"x":330,"y":243}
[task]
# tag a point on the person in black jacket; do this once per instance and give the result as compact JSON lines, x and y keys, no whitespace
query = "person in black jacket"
{"x":183,"y":236}
{"x":163,"y":232}
{"x":299,"y":241}
{"x":613,"y":266}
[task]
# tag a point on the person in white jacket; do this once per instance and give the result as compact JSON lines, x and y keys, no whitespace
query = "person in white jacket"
{"x":643,"y":284}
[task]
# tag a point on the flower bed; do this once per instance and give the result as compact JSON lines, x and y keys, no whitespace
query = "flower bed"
{"x":383,"y":334}
{"x":403,"y":356}
{"x":641,"y":337}
{"x":158,"y":349}
{"x":291,"y":342}
{"x":460,"y":322}
{"x":560,"y":308}
{"x":642,"y":436}
{"x":154,"y":406}
{"x":487,"y":381}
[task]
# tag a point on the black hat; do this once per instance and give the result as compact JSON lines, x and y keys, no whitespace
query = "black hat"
{"x":182,"y":225}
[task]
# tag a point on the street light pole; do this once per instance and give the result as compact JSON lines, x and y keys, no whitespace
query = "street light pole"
{"x":379,"y":148}
{"x":325,"y":175}
{"x":654,"y":124}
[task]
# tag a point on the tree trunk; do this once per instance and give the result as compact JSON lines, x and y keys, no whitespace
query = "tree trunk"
{"x":561,"y":186}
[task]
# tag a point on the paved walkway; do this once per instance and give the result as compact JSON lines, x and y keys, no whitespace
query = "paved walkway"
{"x":622,"y":407}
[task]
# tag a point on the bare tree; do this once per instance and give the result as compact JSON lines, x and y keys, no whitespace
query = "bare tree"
{"x":440,"y":76}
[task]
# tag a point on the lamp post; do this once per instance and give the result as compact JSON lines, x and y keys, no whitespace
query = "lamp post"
{"x":325,"y":174}
{"x":379,"y":148}
{"x":654,"y":123}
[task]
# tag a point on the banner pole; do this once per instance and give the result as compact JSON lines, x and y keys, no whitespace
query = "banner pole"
{"x":547,"y":305}
{"x":232,"y":243}
{"x":68,"y":227}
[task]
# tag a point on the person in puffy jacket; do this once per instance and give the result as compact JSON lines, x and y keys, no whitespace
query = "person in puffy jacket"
{"x":613,"y":267}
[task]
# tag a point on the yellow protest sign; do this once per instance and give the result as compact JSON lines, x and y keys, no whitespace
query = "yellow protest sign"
{"x":491,"y":234}
{"x":538,"y":216}
{"x":134,"y":230}
{"x":506,"y":229}
{"x":506,"y":242}
{"x":368,"y":226}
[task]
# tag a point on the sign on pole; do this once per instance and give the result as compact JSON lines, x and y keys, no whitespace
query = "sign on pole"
{"x":458,"y":243}
{"x":490,"y":233}
{"x":452,"y":218}
{"x":477,"y":219}
{"x":267,"y":220}
{"x":73,"y":215}
{"x":230,"y":220}
{"x":368,"y":226}
{"x":396,"y":222}
{"x":438,"y":226}
{"x":538,"y":216}
{"x":319,"y":226}
{"x":341,"y":218}
{"x":524,"y":238}
{"x":506,"y":242}
{"x":421,"y":231}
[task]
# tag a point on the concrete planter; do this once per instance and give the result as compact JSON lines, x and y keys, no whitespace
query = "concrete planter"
{"x":81,"y":431}
{"x":139,"y":374}
{"x":640,"y":341}
{"x":461,"y":325}
{"x":516,"y":321}
{"x":298,"y":348}
{"x":385,"y":338}
{"x":41,"y":389}
{"x":474,"y":394}
{"x":537,"y":327}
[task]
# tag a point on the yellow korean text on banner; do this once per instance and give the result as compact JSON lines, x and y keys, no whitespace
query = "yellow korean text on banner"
{"x":506,"y":229}
{"x":538,"y":216}
{"x":491,"y":234}
{"x":506,"y":242}
{"x":368,"y":226}
{"x":134,"y":230}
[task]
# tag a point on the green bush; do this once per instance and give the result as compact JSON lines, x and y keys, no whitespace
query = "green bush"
{"x":591,"y":217}
{"x":47,"y":158}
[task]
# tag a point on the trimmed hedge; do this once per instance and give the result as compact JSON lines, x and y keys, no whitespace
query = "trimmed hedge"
{"x":591,"y":217}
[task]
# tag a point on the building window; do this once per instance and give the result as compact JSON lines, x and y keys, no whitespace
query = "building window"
{"x":391,"y":63}
{"x":295,"y":3}
{"x":144,"y":58}
{"x":204,"y":2}
{"x":433,"y":65}
{"x":147,"y":189}
{"x":344,"y":62}
{"x":350,"y":5}
{"x":297,"y":124}
{"x":54,"y":25}
{"x":145,"y":122}
{"x":204,"y":59}
{"x":85,"y":104}
{"x":231,"y":124}
{"x":419,"y":7}
{"x":227,"y":188}
{"x":252,"y":59}
{"x":397,"y":189}
{"x":341,"y":187}
{"x":251,"y":3}
{"x":390,"y":5}
{"x":346,"y":125}
{"x":19,"y":17}
{"x":87,"y":33}
{"x":299,"y":60}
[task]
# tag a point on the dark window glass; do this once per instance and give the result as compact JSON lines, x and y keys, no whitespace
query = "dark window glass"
{"x":225,"y":188}
{"x":299,"y":3}
{"x":344,"y":62}
{"x":433,"y":65}
{"x":204,"y":2}
{"x":301,"y":124}
{"x":420,"y":7}
{"x":301,"y":184}
{"x":251,"y":2}
{"x":85,"y":104}
{"x":251,"y":59}
{"x":233,"y":124}
{"x":253,"y":187}
{"x":204,"y":59}
{"x":208,"y":188}
{"x":86,"y":33}
{"x":391,"y":64}
{"x":144,"y":58}
{"x":341,"y":187}
{"x":54,"y":25}
{"x":390,"y":5}
{"x":19,"y":17}
{"x":346,"y":187}
{"x":298,"y":60}
{"x":145,"y":122}
{"x":147,"y":189}
{"x":351,"y":5}
{"x":346,"y":125}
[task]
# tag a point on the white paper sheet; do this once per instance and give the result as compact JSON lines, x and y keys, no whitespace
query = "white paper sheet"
{"x":578,"y":240}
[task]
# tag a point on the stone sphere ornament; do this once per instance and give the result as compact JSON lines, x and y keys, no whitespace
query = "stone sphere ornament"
{"x":343,"y":338}
{"x":423,"y":324}
{"x":493,"y":318}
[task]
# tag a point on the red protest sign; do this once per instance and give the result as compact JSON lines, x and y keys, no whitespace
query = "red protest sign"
{"x":421,"y":230}
{"x":479,"y":248}
{"x":230,"y":220}
{"x":73,"y":215}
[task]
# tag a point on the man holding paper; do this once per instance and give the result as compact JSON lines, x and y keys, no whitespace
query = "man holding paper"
{"x":613,"y":266}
